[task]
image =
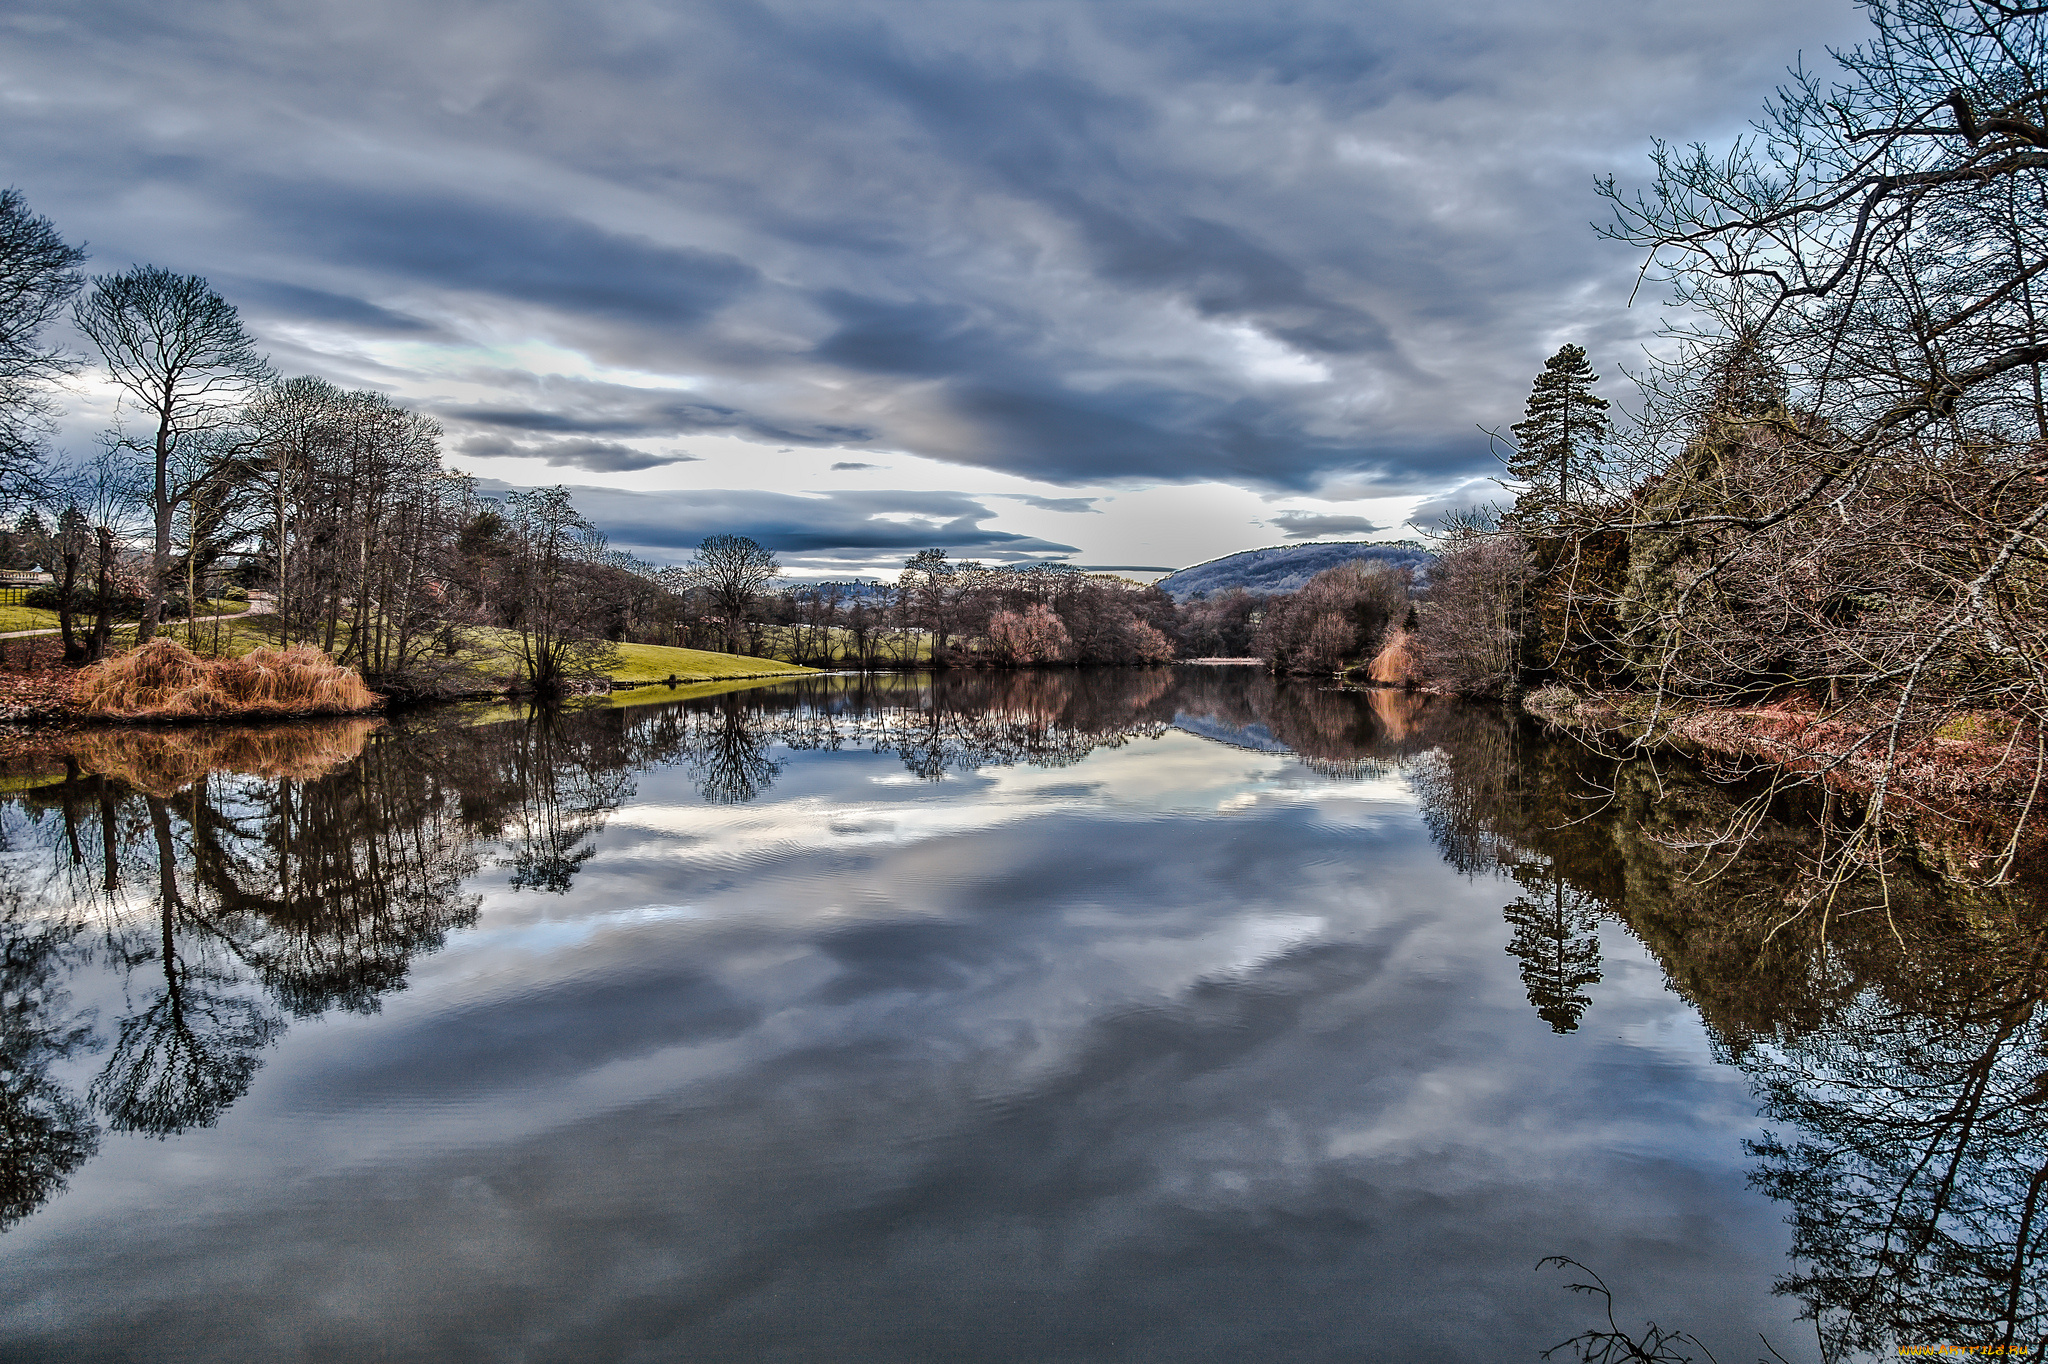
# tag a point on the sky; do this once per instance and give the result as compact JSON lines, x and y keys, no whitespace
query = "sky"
{"x":1130,"y":285}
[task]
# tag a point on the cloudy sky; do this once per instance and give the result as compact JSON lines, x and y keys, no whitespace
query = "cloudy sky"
{"x":1126,"y":283}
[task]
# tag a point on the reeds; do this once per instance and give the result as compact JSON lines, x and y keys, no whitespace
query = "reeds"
{"x":163,"y":680}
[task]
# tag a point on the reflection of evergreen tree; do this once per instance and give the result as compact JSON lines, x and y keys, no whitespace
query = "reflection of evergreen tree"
{"x":1901,"y":1051}
{"x":46,"y":1132}
{"x":1557,"y":941}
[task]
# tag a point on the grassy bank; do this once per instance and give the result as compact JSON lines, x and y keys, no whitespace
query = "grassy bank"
{"x":659,"y":662}
{"x":14,"y":617}
{"x":241,"y":669}
{"x":889,"y":648}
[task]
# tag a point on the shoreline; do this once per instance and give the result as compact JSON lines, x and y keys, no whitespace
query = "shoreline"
{"x":1961,"y":785}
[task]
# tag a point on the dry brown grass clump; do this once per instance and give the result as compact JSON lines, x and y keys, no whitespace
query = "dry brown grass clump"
{"x":163,"y":680}
{"x":159,"y":763}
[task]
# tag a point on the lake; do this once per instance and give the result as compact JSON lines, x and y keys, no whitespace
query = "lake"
{"x":1156,"y":1014}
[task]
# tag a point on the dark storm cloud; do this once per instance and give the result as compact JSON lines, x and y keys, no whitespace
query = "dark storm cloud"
{"x":1222,"y":272}
{"x":1308,"y":525}
{"x":504,"y":250}
{"x":293,"y":302}
{"x":848,"y":465}
{"x":587,"y":408}
{"x":598,"y":456}
{"x":882,"y":527}
{"x":1283,"y":246}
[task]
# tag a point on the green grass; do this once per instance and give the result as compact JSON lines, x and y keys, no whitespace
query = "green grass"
{"x":29,"y":781}
{"x":638,"y":662}
{"x":495,"y":650}
{"x":657,"y":662}
{"x":36,"y":618}
{"x":498,"y":712}
{"x":26,"y":618}
{"x":642,"y":696}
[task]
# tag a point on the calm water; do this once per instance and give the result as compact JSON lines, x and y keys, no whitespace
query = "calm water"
{"x":1156,"y":1015}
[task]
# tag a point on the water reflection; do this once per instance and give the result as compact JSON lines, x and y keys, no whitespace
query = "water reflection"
{"x":283,"y":874}
{"x":234,"y":879}
{"x":1898,"y":1044}
{"x":45,"y":1130}
{"x":241,"y":877}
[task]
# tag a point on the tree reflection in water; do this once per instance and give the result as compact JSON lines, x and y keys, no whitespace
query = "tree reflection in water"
{"x":562,"y":778}
{"x":1900,"y":1048}
{"x":1557,"y":941}
{"x":1917,"y":1152}
{"x":303,"y":880}
{"x":45,"y":1131}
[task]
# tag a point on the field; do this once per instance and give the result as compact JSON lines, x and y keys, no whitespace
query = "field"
{"x":658,"y":662}
{"x":638,"y":662}
{"x":486,"y":662}
{"x":14,"y":617}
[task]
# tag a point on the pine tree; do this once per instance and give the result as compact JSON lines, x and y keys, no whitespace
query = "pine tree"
{"x":1562,"y":440}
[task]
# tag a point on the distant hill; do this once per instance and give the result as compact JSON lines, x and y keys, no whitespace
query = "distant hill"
{"x":1283,"y":568}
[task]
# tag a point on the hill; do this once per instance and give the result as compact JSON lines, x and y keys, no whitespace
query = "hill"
{"x":1284,"y":568}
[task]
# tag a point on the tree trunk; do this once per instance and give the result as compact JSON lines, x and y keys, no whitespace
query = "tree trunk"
{"x":73,"y":650}
{"x":160,"y":550}
{"x":103,"y":623}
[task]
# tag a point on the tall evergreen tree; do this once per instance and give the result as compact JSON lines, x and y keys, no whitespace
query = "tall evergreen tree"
{"x":1562,"y":440}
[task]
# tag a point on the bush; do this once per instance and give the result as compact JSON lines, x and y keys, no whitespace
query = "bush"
{"x":50,"y":597}
{"x":165,"y":680}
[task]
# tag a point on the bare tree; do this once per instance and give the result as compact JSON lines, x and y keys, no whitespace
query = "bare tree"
{"x":293,"y":422}
{"x":1469,"y":625}
{"x":733,"y":570}
{"x":1850,"y":453}
{"x":179,"y":352}
{"x":106,"y":493}
{"x":558,"y":621}
{"x":38,"y":276}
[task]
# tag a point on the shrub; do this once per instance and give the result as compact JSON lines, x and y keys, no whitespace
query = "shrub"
{"x":165,"y":680}
{"x":1035,"y":636}
{"x":1399,"y":661}
{"x":50,"y":597}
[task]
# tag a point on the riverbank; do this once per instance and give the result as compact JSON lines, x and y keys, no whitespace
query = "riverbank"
{"x":38,"y":689}
{"x":1967,"y":775}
